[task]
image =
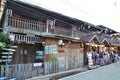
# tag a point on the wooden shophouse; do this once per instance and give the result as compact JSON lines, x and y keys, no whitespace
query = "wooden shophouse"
{"x":40,"y":33}
{"x":32,"y":25}
{"x":44,"y":36}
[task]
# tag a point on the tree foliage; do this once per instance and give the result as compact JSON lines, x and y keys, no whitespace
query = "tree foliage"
{"x":4,"y":39}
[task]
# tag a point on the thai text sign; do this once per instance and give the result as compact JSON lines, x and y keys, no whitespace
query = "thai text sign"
{"x":51,"y":49}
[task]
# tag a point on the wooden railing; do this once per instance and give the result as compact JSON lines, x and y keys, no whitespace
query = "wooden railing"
{"x":26,"y":24}
{"x":63,"y":31}
{"x":28,"y":39}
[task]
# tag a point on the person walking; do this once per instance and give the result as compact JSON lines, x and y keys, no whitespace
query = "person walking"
{"x":89,"y":56}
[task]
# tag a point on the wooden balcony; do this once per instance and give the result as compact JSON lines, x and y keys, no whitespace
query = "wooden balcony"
{"x":15,"y":24}
{"x":63,"y":31}
{"x":28,"y":39}
{"x":26,"y":24}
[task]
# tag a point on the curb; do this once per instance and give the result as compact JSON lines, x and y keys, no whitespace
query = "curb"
{"x":56,"y":74}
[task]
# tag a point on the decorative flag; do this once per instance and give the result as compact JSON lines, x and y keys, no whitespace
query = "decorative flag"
{"x":82,"y":25}
{"x":105,"y":31}
{"x":83,"y":28}
{"x":115,"y":3}
{"x":88,"y":26}
{"x":51,"y":24}
{"x":110,"y":31}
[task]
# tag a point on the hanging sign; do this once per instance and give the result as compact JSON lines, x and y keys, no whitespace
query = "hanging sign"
{"x":39,"y":56}
{"x":51,"y":49}
{"x":12,"y":37}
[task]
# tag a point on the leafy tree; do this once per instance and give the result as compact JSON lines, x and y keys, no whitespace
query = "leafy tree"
{"x":4,"y":40}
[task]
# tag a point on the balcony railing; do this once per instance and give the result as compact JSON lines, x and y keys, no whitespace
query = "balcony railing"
{"x":26,"y":24}
{"x":35,"y":26}
{"x":28,"y":39}
{"x":63,"y":31}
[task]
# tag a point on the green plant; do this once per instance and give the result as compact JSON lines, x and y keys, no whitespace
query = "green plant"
{"x":4,"y":40}
{"x":52,"y":59}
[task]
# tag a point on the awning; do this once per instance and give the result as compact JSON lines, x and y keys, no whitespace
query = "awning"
{"x":90,"y":39}
{"x":105,"y":42}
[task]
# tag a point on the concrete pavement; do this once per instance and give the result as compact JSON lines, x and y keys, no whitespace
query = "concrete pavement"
{"x":48,"y":77}
{"x":108,"y":72}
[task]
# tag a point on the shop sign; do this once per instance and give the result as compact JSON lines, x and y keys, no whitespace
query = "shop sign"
{"x":51,"y":49}
{"x":39,"y":56}
{"x":12,"y":37}
{"x":37,"y":65}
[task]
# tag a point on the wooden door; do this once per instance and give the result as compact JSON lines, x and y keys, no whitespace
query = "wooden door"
{"x":61,"y":61}
{"x":72,"y":58}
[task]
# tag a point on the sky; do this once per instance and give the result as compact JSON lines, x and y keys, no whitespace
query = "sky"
{"x":97,"y":12}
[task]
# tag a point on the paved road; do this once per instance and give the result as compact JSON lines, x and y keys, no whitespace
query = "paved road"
{"x":109,"y":72}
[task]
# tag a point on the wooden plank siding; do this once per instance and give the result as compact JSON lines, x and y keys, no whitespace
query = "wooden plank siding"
{"x":20,"y":71}
{"x":70,"y":55}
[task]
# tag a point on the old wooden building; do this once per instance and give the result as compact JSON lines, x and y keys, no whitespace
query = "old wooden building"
{"x":31,"y":26}
{"x":44,"y":36}
{"x":40,"y":33}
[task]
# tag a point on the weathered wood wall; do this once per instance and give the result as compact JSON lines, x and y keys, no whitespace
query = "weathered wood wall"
{"x":25,"y":53}
{"x":70,"y":55}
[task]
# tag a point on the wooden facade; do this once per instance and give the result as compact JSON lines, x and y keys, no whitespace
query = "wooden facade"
{"x":34,"y":34}
{"x":70,"y":55}
{"x":29,"y":25}
{"x":30,"y":30}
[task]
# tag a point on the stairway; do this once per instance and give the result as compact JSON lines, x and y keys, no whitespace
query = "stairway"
{"x":7,"y":54}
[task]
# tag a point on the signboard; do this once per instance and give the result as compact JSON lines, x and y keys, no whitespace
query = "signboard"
{"x":12,"y":37}
{"x":37,"y":65}
{"x":39,"y":56}
{"x":51,"y":49}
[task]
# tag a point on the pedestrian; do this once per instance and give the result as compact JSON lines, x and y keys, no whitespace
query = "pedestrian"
{"x":101,"y":58}
{"x":89,"y":56}
{"x":112,"y":56}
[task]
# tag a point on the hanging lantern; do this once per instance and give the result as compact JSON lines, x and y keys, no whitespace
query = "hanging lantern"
{"x":115,"y":3}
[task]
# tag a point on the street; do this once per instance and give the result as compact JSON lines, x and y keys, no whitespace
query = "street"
{"x":109,"y":72}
